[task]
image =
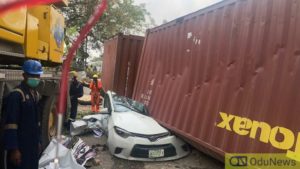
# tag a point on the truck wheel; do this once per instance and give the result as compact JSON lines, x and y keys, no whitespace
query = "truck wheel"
{"x":48,"y":121}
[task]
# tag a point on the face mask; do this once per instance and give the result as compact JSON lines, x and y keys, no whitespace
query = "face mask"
{"x":33,"y":82}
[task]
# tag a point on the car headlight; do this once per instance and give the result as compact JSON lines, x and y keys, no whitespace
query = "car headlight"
{"x":121,"y":132}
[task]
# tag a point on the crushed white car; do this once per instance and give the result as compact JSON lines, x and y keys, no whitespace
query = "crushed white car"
{"x":134,"y":135}
{"x":90,"y":122}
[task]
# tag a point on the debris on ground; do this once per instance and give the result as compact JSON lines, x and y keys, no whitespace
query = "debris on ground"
{"x":98,"y":133}
{"x":73,"y":153}
{"x":78,"y":127}
{"x":95,"y":123}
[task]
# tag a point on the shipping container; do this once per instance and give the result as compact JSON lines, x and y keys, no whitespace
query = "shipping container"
{"x":121,"y":57}
{"x":227,"y":77}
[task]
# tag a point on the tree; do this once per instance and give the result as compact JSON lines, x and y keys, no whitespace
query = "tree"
{"x":121,"y":16}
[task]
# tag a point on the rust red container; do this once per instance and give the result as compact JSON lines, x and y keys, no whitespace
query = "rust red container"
{"x":227,"y":78}
{"x":121,"y":57}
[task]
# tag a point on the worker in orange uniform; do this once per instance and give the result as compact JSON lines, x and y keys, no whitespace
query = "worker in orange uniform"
{"x":96,"y":87}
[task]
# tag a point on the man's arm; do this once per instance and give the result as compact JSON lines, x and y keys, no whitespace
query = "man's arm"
{"x":80,"y":91}
{"x":85,"y":84}
{"x":12,"y":111}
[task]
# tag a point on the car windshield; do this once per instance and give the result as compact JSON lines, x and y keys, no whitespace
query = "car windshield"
{"x":124,"y":104}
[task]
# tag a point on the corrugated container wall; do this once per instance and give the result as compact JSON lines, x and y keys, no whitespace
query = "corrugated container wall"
{"x":227,"y":77}
{"x":121,"y":57}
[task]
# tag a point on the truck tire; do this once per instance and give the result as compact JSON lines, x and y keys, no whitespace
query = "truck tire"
{"x":48,"y":125}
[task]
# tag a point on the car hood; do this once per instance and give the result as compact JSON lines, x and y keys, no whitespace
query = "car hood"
{"x":137,"y":123}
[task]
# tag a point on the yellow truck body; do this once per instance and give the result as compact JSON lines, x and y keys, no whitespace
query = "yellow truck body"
{"x":38,"y":30}
{"x":12,"y":26}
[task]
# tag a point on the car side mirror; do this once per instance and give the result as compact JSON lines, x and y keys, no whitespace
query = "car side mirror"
{"x":105,"y":111}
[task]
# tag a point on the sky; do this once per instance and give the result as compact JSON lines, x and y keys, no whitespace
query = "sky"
{"x":171,"y":9}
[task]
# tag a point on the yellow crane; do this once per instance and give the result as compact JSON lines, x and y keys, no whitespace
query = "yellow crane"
{"x":35,"y":33}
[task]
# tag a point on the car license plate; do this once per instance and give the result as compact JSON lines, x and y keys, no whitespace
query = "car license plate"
{"x":156,"y":153}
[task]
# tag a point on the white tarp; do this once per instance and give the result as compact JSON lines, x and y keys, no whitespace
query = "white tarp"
{"x":65,"y":162}
{"x":73,"y":158}
{"x":66,"y":158}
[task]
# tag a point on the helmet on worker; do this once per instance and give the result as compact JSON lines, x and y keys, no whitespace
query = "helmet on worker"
{"x":74,"y":74}
{"x":32,"y":72}
{"x":32,"y":67}
{"x":95,"y":76}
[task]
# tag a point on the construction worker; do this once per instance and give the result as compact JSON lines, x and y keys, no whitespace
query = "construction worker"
{"x":96,"y":87}
{"x":22,"y":126}
{"x":76,"y":91}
